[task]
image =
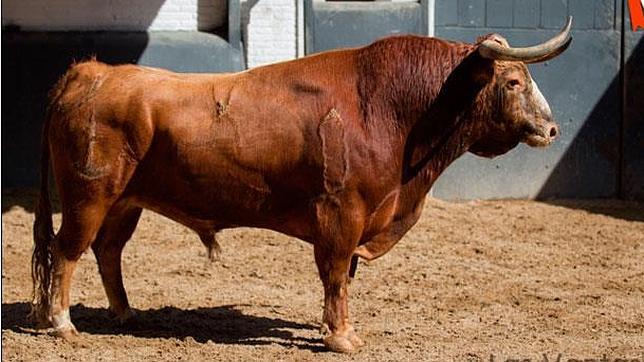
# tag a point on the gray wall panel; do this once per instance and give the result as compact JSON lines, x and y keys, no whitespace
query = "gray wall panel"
{"x":448,"y":11}
{"x":471,"y":13}
{"x":496,"y":13}
{"x":340,"y":25}
{"x":584,"y":13}
{"x":553,"y":12}
{"x":331,"y":25}
{"x":604,"y":14}
{"x":526,"y":14}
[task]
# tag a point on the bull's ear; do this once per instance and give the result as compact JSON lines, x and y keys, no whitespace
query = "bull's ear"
{"x":465,"y":82}
{"x":495,"y":38}
{"x":481,"y":70}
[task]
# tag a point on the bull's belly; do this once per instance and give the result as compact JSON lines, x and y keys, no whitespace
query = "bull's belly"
{"x":292,"y":222}
{"x":221,"y":203}
{"x":224,"y":197}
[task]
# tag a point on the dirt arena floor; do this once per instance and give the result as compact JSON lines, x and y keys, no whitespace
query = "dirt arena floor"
{"x":476,"y":281}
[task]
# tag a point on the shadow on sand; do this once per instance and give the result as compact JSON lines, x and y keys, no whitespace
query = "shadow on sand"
{"x":620,"y":209}
{"x":223,"y":324}
{"x":26,"y":199}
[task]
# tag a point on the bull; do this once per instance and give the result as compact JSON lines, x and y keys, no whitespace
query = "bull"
{"x":338,"y":149}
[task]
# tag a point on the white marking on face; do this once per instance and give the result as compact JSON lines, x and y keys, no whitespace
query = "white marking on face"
{"x":541,"y":100}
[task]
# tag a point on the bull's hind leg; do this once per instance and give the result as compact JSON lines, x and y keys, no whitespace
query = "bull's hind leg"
{"x":209,"y":240}
{"x":86,"y":200}
{"x":116,"y":230}
{"x":79,"y":228}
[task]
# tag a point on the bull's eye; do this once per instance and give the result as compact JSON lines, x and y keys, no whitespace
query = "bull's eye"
{"x":513,"y":83}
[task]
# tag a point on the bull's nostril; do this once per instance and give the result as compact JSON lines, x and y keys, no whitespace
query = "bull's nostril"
{"x":553,"y":132}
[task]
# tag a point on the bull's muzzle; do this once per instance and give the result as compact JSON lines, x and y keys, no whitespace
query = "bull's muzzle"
{"x":541,"y":135}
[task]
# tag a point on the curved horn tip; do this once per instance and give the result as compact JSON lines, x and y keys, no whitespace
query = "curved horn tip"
{"x":568,"y":25}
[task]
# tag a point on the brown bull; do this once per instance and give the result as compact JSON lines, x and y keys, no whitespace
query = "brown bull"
{"x":338,"y":149}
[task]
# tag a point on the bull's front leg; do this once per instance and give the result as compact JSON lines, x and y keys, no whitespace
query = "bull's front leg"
{"x":333,"y":266}
{"x":341,"y":223}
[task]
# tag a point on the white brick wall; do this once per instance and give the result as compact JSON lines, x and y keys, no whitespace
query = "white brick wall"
{"x":114,"y":14}
{"x":270,"y":31}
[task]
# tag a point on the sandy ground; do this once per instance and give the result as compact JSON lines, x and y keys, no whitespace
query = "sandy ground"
{"x":477,"y":281}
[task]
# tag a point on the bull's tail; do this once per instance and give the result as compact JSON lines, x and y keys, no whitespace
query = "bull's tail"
{"x":41,"y":259}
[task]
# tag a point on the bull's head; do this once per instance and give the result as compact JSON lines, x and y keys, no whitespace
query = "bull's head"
{"x":516,"y":109}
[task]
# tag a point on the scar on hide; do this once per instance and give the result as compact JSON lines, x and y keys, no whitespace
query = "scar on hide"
{"x":221,"y":108}
{"x":90,"y":167}
{"x":334,"y":151}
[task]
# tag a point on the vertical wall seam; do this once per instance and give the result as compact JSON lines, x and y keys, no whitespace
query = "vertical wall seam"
{"x":622,"y":103}
{"x":431,"y":13}
{"x":299,"y":31}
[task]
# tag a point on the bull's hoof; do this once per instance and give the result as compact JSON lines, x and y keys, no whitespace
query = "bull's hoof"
{"x":40,"y":323}
{"x":339,"y":344}
{"x":66,"y":333}
{"x":39,"y":319}
{"x":343,"y":342}
{"x":125,"y":316}
{"x":355,"y":340}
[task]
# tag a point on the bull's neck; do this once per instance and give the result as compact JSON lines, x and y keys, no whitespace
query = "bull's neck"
{"x":418,"y":90}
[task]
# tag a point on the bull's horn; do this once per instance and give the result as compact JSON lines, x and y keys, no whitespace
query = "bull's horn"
{"x":553,"y":54}
{"x":493,"y":50}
